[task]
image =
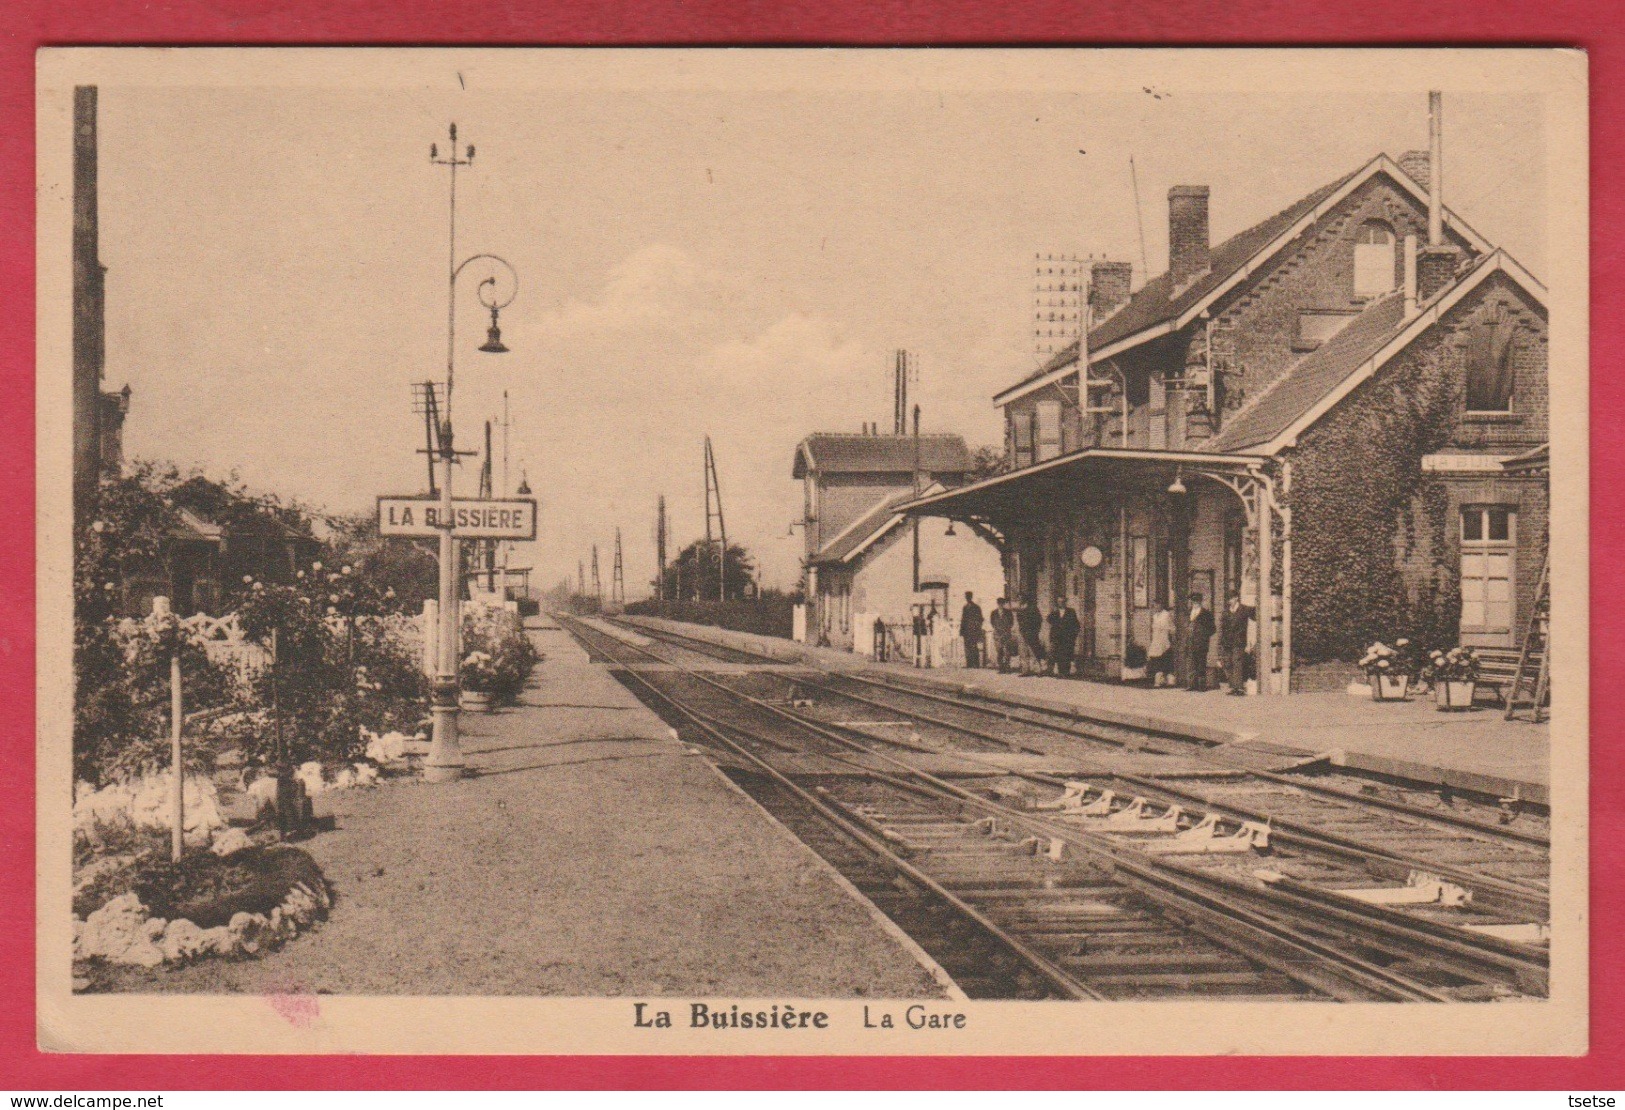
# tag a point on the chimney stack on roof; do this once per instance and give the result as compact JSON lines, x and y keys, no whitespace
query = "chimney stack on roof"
{"x":1417,"y":164}
{"x":1187,"y":233}
{"x":1108,"y":287}
{"x":1436,"y":267}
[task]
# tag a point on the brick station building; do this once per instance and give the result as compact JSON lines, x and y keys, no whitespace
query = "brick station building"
{"x":1311,"y":415}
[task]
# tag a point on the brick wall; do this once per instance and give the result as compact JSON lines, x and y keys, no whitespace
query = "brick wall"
{"x":1254,"y":332}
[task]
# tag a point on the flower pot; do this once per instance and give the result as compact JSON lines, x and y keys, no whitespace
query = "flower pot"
{"x":1452,"y":694}
{"x":1390,"y":687}
{"x":478,"y":701}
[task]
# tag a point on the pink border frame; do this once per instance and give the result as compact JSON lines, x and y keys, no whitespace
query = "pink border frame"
{"x":1588,"y":24}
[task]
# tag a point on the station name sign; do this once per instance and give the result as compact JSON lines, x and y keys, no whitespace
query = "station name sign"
{"x":511,"y":518}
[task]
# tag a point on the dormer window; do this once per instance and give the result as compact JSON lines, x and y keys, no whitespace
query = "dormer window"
{"x":1373,"y":259}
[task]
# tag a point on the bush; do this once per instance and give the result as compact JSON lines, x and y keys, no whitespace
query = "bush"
{"x":499,"y":656}
{"x":336,"y":668}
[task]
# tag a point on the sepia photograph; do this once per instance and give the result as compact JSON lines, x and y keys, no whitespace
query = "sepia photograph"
{"x":812,"y":551}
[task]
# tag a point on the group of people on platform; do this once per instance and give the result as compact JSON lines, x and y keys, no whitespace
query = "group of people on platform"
{"x":1038,"y":642}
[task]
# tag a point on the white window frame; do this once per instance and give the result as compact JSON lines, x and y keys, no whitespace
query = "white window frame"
{"x":1485,"y":549}
{"x":1373,"y":260}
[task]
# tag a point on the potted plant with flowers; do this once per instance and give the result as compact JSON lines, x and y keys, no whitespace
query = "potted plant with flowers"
{"x":1454,"y":675}
{"x":479,"y":674}
{"x":1389,"y":670}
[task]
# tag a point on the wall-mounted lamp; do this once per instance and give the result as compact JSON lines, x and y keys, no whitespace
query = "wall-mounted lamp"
{"x":950,"y":530}
{"x":1178,"y":487}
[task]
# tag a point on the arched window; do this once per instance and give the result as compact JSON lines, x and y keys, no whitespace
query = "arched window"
{"x":1373,"y":259}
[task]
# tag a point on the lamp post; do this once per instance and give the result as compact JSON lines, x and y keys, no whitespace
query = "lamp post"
{"x":445,"y":760}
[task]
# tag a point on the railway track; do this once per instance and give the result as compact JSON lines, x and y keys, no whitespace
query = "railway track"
{"x":1108,"y":884}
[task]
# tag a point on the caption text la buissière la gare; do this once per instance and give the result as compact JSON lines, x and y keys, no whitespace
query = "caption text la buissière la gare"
{"x":702,"y":1015}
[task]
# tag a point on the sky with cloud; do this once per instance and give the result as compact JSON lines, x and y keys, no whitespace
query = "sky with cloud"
{"x":699,"y":253}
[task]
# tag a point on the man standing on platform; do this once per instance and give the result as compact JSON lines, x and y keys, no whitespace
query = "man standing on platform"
{"x":970,"y":630}
{"x":1030,"y":625}
{"x":1063,"y":637}
{"x":1233,"y":644}
{"x":1004,"y":626}
{"x":1201,"y":633}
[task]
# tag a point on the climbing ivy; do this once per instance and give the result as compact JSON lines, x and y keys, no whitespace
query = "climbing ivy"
{"x":1371,"y":558}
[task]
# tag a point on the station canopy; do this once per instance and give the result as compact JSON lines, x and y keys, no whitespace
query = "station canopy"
{"x":1094,"y":474}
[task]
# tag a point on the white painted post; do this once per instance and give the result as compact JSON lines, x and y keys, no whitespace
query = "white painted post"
{"x":431,"y":637}
{"x":177,"y":816}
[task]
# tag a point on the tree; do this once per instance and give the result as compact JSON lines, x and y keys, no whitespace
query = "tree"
{"x":985,"y":462}
{"x":692,"y":576}
{"x":403,"y":565}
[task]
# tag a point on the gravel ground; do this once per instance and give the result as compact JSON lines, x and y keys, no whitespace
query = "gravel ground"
{"x":589,"y":855}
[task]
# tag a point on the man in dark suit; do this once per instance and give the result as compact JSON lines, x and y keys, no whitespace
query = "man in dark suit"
{"x":1030,"y":624}
{"x":1201,"y":633}
{"x":1233,"y":644}
{"x":1063,"y":637}
{"x":970,"y":630}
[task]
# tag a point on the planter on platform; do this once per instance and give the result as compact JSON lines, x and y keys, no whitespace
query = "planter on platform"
{"x":1390,"y":687}
{"x":1454,"y":695}
{"x":478,"y":701}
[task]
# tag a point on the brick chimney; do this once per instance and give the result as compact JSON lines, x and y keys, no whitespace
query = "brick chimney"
{"x":1109,"y":287}
{"x":1187,"y":232}
{"x":1417,"y":165}
{"x":1435,"y":269}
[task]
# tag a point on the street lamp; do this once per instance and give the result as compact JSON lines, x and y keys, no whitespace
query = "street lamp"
{"x":445,"y":760}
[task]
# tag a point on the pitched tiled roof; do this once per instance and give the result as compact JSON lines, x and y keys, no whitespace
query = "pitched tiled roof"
{"x":861,"y":530}
{"x":1313,"y":377}
{"x":1159,"y":301}
{"x":855,"y":453}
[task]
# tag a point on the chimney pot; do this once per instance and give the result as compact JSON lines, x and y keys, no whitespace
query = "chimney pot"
{"x":1188,"y":243}
{"x":1417,"y":165}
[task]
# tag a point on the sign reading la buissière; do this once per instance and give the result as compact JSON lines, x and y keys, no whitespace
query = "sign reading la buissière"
{"x":510,"y":518}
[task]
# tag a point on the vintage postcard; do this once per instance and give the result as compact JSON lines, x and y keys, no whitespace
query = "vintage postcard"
{"x":812,"y":551}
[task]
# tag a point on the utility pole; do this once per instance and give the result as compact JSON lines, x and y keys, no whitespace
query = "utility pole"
{"x":713,"y":491}
{"x":445,"y":760}
{"x":581,"y":579}
{"x":660,"y":547}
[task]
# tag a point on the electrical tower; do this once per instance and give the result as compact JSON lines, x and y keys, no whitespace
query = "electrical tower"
{"x":581,"y":579}
{"x":905,"y":366}
{"x":1058,"y":297}
{"x":660,"y":547}
{"x":713,"y":507}
{"x":597,"y":583}
{"x":617,"y":581}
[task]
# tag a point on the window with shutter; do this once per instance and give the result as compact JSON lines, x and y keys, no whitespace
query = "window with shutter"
{"x":1373,"y":259}
{"x":1048,"y":420}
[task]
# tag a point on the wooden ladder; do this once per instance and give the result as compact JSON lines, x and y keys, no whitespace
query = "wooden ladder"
{"x":1536,"y":639}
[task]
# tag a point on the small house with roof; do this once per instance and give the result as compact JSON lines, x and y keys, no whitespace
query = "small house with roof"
{"x":865,"y":559}
{"x":1311,"y":416}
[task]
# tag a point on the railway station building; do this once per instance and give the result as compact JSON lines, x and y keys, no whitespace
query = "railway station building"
{"x":1311,"y":416}
{"x":866,"y":561}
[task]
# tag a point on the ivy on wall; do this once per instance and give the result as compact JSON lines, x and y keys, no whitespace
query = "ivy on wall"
{"x":1363,"y":514}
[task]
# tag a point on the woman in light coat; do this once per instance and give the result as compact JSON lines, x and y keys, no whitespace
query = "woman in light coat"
{"x":1161,"y":652}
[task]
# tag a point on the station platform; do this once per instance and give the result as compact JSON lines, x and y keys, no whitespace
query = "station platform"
{"x":1475,"y":750}
{"x":587,"y":852}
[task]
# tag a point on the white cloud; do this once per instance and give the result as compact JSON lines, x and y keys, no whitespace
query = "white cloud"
{"x":655,"y":286}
